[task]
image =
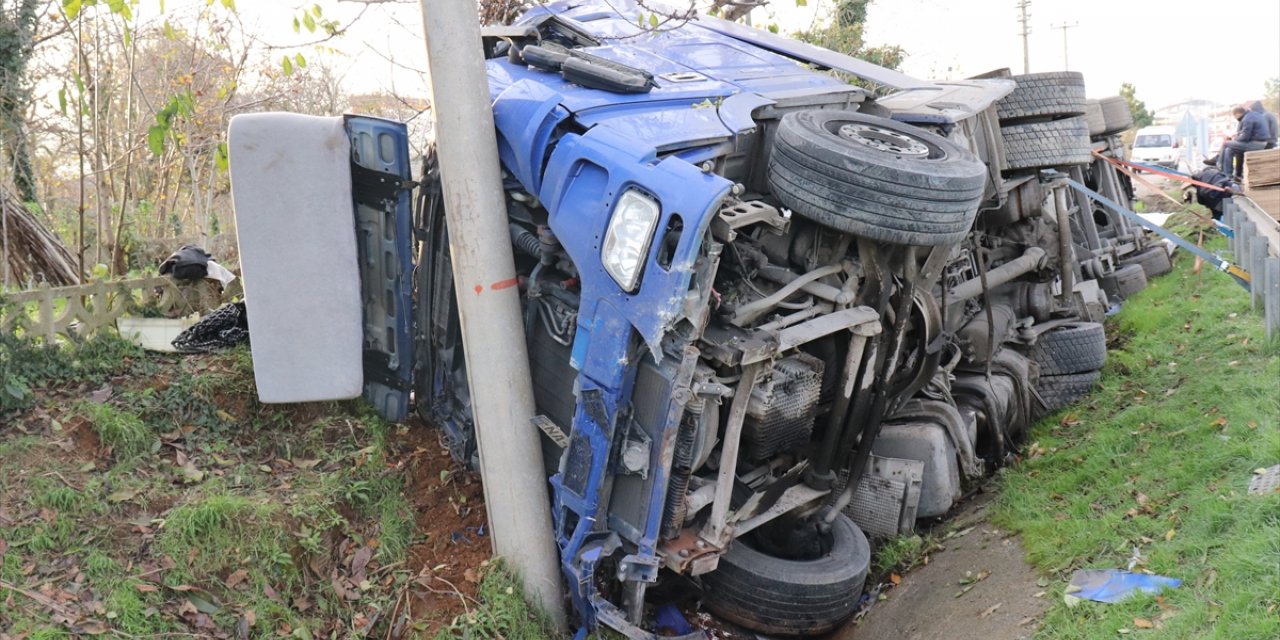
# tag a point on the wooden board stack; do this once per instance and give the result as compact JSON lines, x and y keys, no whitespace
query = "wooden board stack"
{"x":1262,"y":179}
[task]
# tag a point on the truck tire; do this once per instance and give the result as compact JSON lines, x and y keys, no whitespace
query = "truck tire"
{"x":1093,"y":115}
{"x":875,"y":177}
{"x":1116,"y":114}
{"x":1039,"y":145}
{"x":1060,"y":392}
{"x":1074,"y":348}
{"x":1056,"y":94}
{"x":1154,"y":261}
{"x":1130,"y":279}
{"x":776,"y":596}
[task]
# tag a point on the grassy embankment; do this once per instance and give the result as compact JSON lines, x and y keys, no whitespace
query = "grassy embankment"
{"x":153,"y":496}
{"x":1156,"y":462}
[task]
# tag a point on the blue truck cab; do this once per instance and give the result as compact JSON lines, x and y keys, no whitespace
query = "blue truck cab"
{"x":777,"y":300}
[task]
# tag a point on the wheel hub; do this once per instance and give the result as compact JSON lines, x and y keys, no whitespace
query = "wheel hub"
{"x":881,"y":139}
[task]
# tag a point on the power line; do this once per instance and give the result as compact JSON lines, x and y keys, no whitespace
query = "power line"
{"x":1066,"y":64}
{"x":1026,"y":31}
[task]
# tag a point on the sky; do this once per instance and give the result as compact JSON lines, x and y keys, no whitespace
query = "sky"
{"x":1221,"y":51}
{"x":1171,"y":51}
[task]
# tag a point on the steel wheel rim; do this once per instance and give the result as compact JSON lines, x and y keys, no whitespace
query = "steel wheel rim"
{"x":883,"y":140}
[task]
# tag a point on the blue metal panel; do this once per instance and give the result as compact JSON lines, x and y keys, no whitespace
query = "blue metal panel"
{"x":502,"y":74}
{"x":665,"y":125}
{"x":380,"y":172}
{"x":582,"y":181}
{"x":584,"y":177}
{"x":526,"y":115}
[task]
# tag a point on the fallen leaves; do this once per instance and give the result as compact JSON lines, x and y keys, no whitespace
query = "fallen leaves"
{"x":970,"y":580}
{"x":123,"y":495}
{"x":238,"y":576}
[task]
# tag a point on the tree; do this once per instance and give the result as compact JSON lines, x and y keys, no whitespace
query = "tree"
{"x":1271,"y":94}
{"x":501,"y":11}
{"x":18,"y":22}
{"x":1141,"y":116}
{"x":844,"y":33}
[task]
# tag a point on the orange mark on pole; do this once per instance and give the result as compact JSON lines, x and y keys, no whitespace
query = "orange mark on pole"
{"x":499,"y":285}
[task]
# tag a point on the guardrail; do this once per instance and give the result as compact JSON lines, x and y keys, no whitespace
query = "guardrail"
{"x":1255,"y":242}
{"x":80,"y":310}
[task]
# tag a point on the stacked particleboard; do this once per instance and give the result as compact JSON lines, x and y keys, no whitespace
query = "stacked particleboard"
{"x":1262,"y":179}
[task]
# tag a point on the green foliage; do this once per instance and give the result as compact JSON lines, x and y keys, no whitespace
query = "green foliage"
{"x":28,"y":364}
{"x":898,"y":554}
{"x":502,"y":611}
{"x":224,"y":531}
{"x":1158,"y":459}
{"x":1141,"y":115}
{"x":313,"y":20}
{"x":17,"y":43}
{"x":120,"y":429}
{"x":326,"y":489}
{"x":180,"y":104}
{"x":1271,"y":94}
{"x":843,"y":32}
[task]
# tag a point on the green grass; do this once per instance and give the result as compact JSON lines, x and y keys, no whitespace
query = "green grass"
{"x":28,"y":365}
{"x":120,"y":429}
{"x":500,"y":611}
{"x":204,"y":480}
{"x":1159,"y":458}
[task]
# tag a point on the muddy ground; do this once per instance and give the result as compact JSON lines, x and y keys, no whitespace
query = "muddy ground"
{"x":976,"y":586}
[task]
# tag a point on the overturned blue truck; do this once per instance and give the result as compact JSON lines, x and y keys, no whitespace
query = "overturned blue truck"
{"x":771,"y":313}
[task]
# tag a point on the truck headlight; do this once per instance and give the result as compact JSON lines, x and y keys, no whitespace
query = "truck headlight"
{"x":626,"y":242}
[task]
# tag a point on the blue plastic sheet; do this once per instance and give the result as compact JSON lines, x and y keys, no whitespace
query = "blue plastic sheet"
{"x":1114,"y":585}
{"x":670,"y":620}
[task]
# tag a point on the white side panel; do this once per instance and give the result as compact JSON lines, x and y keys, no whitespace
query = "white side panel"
{"x":291,"y":187}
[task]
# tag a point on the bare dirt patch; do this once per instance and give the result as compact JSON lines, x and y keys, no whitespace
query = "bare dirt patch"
{"x":453,"y":547}
{"x":979,"y":587}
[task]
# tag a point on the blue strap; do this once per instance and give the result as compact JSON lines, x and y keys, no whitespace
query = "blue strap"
{"x":1220,"y":263}
{"x":1159,"y":169}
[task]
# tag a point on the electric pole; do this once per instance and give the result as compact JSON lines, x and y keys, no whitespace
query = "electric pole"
{"x":515,"y":487}
{"x":1066,"y":64}
{"x":1026,"y":31}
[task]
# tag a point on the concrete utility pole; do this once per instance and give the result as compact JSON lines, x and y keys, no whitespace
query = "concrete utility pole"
{"x":515,"y":487}
{"x":1066,"y":62}
{"x":1026,"y":31}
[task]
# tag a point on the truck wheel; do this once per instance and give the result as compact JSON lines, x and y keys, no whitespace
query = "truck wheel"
{"x":778,"y":596}
{"x":1125,"y":281}
{"x":1055,"y":94}
{"x":1130,"y":279}
{"x":1059,"y":392}
{"x":1073,"y":348}
{"x":1115,"y":112}
{"x":875,"y":177}
{"x":1038,"y":145}
{"x":1093,"y":115}
{"x":1154,"y":261}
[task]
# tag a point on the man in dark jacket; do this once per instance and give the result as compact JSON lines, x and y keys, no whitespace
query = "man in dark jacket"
{"x":1273,"y":125}
{"x":1210,"y":198}
{"x":1251,"y":135}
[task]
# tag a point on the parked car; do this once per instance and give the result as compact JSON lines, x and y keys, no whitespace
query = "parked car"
{"x":1156,"y":145}
{"x":769,"y":312}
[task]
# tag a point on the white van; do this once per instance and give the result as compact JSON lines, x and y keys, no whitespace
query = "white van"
{"x":1156,"y":145}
